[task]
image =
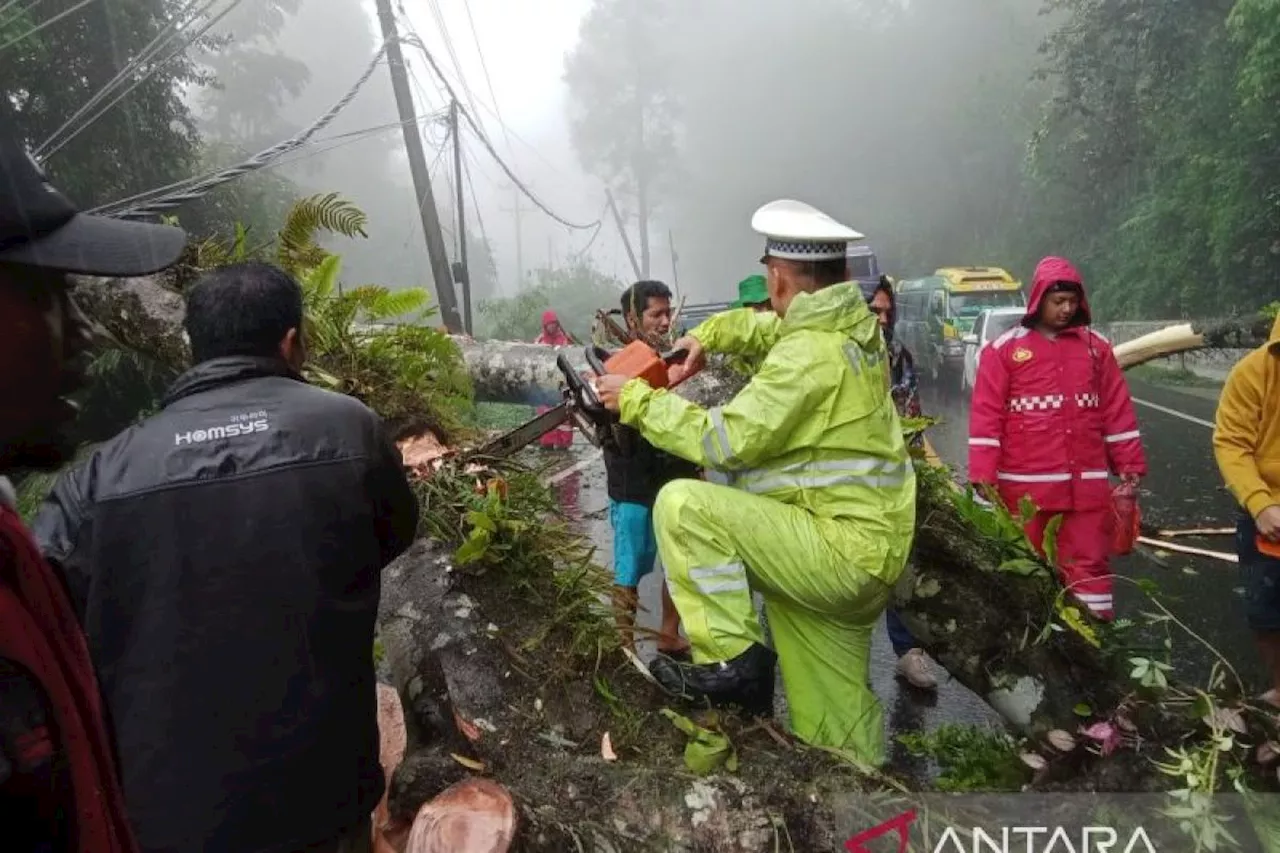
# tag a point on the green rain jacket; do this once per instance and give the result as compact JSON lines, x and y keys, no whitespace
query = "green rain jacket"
{"x":815,"y":427}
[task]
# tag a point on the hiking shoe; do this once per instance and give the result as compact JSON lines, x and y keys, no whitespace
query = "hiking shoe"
{"x":914,"y":667}
{"x":745,"y":682}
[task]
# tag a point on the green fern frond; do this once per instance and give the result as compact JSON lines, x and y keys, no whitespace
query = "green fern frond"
{"x":297,"y":248}
{"x":381,"y":303}
{"x":321,"y":281}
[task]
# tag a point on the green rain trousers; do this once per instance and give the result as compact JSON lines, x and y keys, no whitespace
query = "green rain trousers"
{"x":820,"y":515}
{"x":718,"y":545}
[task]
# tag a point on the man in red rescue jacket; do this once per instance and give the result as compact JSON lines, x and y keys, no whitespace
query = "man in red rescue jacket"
{"x":1052,"y":420}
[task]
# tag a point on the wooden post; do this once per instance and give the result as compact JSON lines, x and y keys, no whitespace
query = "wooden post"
{"x":440,"y":270}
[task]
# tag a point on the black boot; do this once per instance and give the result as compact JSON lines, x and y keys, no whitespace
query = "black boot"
{"x":746,"y":681}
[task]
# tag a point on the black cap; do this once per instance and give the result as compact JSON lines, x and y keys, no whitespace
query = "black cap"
{"x":41,"y":228}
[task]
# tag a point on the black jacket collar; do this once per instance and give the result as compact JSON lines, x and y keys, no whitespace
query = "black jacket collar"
{"x":217,"y":372}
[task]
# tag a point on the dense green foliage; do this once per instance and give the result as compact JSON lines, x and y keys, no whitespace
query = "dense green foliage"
{"x":148,"y":139}
{"x":970,"y":758}
{"x":1158,"y":154}
{"x":574,"y":293}
{"x":368,"y":341}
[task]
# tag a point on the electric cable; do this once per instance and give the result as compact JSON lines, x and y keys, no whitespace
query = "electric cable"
{"x":484,"y":66}
{"x":154,"y":201}
{"x":416,"y":41}
{"x":161,"y":39}
{"x":48,"y":150}
{"x":45,"y":24}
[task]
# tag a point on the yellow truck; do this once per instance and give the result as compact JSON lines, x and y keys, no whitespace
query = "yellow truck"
{"x":937,"y":311}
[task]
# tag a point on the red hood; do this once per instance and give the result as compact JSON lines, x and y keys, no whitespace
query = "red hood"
{"x":1051,"y":271}
{"x":557,"y":338}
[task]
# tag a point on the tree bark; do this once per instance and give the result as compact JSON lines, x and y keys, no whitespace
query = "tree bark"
{"x":146,"y":314}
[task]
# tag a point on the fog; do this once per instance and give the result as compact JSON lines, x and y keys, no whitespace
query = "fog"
{"x":907,"y":120}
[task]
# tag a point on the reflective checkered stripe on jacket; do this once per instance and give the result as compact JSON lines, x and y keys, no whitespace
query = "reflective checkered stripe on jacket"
{"x":1045,"y":403}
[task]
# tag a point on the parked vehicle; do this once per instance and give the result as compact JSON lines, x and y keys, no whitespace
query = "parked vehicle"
{"x":936,"y":312}
{"x":990,"y":324}
{"x":861,"y":266}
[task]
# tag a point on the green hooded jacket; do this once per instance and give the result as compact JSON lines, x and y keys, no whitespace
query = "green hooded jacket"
{"x":815,"y":427}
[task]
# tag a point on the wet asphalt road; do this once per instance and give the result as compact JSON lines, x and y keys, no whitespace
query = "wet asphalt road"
{"x":1182,"y":491}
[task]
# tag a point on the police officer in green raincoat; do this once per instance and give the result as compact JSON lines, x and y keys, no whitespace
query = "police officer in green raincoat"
{"x":821,"y":511}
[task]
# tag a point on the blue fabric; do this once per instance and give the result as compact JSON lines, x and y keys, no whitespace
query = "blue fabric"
{"x":899,"y":635}
{"x":1261,"y":576}
{"x":635,"y":549}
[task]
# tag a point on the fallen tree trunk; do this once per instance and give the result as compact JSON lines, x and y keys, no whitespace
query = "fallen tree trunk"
{"x":1190,"y":337}
{"x":145,"y":315}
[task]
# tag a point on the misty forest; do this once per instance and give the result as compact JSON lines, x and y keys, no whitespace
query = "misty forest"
{"x":1137,"y":138}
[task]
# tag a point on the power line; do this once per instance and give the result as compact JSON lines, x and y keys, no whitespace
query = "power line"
{"x":42,"y":26}
{"x":343,"y":139}
{"x":582,"y":253}
{"x":414,"y":41}
{"x":484,"y":140}
{"x":154,"y":201}
{"x":419,"y":88}
{"x":161,"y":40}
{"x":448,"y":45}
{"x":49,"y":149}
{"x":442,"y":83}
{"x":507,"y":131}
{"x":9,"y":4}
{"x":475,"y":202}
{"x":484,"y":66}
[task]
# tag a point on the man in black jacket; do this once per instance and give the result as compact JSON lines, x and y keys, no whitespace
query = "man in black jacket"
{"x":636,"y":470}
{"x":225,"y":558}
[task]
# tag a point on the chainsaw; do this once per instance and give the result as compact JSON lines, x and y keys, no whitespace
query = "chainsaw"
{"x":581,"y":406}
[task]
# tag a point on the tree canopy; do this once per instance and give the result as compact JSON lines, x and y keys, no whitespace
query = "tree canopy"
{"x":51,"y":68}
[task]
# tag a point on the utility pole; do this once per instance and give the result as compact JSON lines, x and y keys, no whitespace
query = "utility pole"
{"x":642,"y":205}
{"x":516,"y":209}
{"x":463,"y":275}
{"x":622,"y":229}
{"x":440,"y":270}
{"x":640,"y":157}
{"x":675,"y":273}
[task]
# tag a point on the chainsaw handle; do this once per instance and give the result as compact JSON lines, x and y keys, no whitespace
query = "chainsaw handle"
{"x":596,"y":357}
{"x":579,"y":389}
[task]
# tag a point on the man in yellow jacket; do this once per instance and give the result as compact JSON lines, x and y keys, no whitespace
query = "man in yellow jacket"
{"x":1246,"y":443}
{"x":821,"y":511}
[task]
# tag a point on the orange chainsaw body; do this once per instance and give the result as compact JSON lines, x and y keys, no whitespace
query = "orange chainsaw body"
{"x":638,"y":360}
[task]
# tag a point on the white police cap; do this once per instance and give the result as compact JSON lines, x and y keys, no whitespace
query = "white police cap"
{"x":796,"y":231}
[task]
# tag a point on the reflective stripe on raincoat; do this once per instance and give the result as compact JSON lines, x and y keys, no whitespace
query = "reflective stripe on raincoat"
{"x":815,"y":427}
{"x":1051,"y":419}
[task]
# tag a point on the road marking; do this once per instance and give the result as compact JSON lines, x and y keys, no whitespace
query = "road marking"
{"x":1174,"y":412}
{"x":573,"y":469}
